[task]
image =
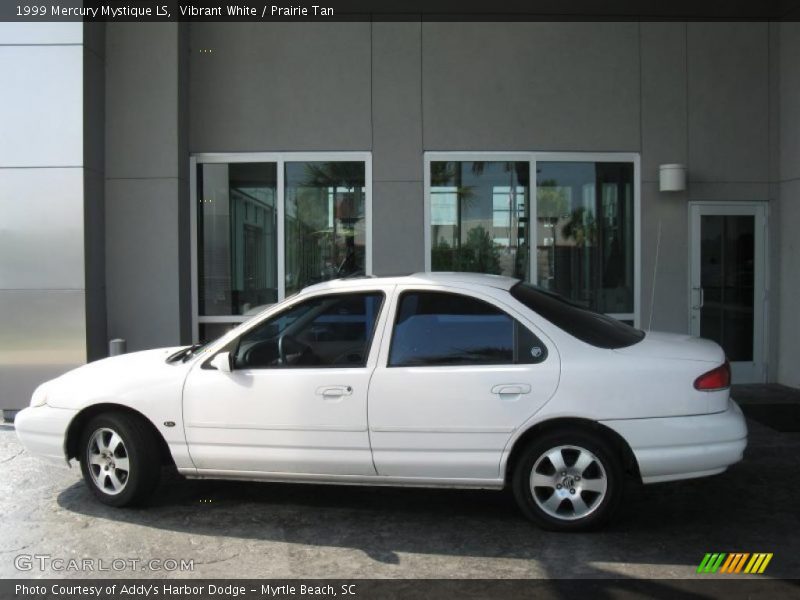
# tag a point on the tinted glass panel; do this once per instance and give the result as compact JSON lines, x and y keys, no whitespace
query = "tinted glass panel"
{"x":434,"y":328}
{"x":237,"y":237}
{"x":586,"y":325}
{"x":727,"y":259}
{"x":479,"y":217}
{"x":585,"y":233}
{"x":325,"y":222}
{"x":326,"y":331}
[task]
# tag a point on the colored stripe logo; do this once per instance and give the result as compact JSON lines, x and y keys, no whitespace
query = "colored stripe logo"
{"x":735,"y":562}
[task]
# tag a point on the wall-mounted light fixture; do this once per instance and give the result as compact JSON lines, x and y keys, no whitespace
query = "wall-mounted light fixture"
{"x":672,"y":178}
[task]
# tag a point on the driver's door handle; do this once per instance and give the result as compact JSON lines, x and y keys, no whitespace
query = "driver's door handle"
{"x":334,"y":391}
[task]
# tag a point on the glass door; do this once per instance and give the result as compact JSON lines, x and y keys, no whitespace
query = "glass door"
{"x":728,"y":285}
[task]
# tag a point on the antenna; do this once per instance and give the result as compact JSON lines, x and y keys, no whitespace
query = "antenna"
{"x":655,"y":274}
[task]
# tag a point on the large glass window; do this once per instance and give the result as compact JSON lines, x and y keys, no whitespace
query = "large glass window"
{"x":483,"y":218}
{"x":479,"y":219}
{"x":325,"y":222}
{"x":258,"y":241}
{"x":585,"y":228}
{"x":438,"y":329}
{"x":237,"y":237}
{"x":325,"y":331}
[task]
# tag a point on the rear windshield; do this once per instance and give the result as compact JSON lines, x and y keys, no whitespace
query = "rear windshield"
{"x":588,"y":326}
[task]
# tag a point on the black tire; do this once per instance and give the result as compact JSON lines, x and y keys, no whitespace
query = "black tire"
{"x":605,"y":466}
{"x":140,"y":447}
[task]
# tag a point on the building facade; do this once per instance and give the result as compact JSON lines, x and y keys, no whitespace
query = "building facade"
{"x":163,"y":182}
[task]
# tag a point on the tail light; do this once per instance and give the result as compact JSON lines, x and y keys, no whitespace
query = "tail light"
{"x":715,"y":379}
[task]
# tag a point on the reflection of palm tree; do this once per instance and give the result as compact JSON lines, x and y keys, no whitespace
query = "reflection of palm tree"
{"x":582,"y":227}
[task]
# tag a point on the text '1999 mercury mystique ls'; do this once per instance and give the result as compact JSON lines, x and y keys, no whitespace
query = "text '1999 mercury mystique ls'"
{"x":436,"y":379}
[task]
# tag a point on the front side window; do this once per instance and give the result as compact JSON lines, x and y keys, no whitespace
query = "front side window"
{"x":325,"y":331}
{"x":441,"y":329}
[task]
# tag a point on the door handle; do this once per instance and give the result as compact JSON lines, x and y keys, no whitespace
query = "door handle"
{"x":508,"y":389}
{"x":702,"y":298}
{"x":334,"y":391}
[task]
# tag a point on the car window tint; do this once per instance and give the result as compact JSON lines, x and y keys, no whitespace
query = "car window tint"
{"x":437,"y":328}
{"x":325,"y":331}
{"x":587,"y":325}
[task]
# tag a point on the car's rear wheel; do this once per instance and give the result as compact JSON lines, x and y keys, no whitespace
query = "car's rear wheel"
{"x":120,"y":460}
{"x":568,"y":481}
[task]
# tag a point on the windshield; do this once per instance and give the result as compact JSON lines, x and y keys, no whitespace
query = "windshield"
{"x":587,"y":325}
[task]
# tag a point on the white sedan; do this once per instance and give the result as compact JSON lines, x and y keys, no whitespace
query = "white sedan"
{"x":437,"y":379}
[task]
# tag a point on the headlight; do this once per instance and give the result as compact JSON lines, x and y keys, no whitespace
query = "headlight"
{"x":39,"y":397}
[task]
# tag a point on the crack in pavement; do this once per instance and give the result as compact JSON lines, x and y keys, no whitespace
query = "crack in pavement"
{"x":10,"y":458}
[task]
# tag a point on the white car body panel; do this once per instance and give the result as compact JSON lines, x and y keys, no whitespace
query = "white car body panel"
{"x":429,"y":426}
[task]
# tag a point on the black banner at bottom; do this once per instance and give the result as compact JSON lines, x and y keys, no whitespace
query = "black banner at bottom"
{"x":361,"y":589}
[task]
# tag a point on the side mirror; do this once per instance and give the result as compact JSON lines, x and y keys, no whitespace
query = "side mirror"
{"x":222,"y":362}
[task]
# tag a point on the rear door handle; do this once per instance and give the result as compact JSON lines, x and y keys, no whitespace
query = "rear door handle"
{"x":334,"y":391}
{"x":508,"y":389}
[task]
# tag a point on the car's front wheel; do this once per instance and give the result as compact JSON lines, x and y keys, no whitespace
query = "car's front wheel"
{"x":568,"y":481}
{"x":119,"y":456}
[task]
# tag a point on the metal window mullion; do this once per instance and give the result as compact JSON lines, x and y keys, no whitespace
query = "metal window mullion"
{"x":281,"y":249}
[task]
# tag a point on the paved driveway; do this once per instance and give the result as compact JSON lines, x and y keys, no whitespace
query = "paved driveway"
{"x":280,"y":530}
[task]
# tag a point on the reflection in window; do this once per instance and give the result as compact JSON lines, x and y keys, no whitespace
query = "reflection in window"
{"x":325,"y":331}
{"x":437,"y":329}
{"x":325,"y":222}
{"x":237,"y":237}
{"x":479,"y":219}
{"x":585,"y":243}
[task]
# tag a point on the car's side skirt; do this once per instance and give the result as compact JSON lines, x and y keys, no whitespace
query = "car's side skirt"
{"x":487,"y":484}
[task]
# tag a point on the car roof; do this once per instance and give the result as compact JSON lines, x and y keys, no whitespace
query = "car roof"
{"x":429,"y":278}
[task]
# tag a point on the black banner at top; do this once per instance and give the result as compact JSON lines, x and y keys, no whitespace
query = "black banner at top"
{"x":32,"y":11}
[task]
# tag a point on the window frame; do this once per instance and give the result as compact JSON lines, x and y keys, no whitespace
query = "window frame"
{"x":532,"y":157}
{"x":234,"y":344}
{"x":280,"y":158}
{"x":391,"y":323}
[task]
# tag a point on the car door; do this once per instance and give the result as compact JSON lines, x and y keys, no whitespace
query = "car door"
{"x":458,"y":373}
{"x":295,"y":400}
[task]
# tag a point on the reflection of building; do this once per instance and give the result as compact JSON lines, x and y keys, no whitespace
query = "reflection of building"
{"x":169,"y":192}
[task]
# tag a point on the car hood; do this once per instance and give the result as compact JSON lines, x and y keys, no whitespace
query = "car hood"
{"x":115,"y":378}
{"x":676,"y":346}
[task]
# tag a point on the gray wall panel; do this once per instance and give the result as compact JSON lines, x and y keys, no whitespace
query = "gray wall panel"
{"x":280,"y":86}
{"x":664,"y":135}
{"x":669,"y":297}
{"x":789,"y":340}
{"x":142,"y":261}
{"x":729,"y":191}
{"x":397,"y":228}
{"x":790,"y":101}
{"x":35,"y":129}
{"x":141,"y":99}
{"x":41,"y":244}
{"x":396,"y":102}
{"x":42,"y":336}
{"x":728,"y":102}
{"x":526,"y":86}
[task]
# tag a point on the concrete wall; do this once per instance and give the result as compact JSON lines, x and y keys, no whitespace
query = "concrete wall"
{"x":146,"y":189}
{"x":44,"y":287}
{"x":789,"y":190}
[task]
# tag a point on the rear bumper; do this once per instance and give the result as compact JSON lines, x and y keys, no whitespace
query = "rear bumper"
{"x":674,"y":448}
{"x":43,"y":431}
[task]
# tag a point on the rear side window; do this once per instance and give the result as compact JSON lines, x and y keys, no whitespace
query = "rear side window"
{"x":587,"y":325}
{"x":440,"y":329}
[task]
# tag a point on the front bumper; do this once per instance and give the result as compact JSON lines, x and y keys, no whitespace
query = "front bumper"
{"x":43,"y":431}
{"x":672,"y":448}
